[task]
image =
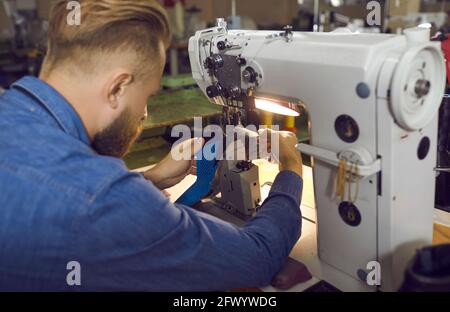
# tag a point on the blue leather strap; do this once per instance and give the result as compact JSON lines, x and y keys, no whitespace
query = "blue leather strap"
{"x":207,"y":163}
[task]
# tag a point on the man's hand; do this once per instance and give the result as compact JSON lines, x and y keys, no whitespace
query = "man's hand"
{"x":287,"y":155}
{"x":170,"y":171}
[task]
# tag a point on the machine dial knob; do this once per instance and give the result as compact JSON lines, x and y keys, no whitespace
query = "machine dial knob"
{"x":417,"y":87}
{"x":422,"y":87}
{"x":214,"y":90}
{"x":249,"y":75}
{"x":234,"y":92}
{"x":214,"y":62}
{"x":221,"y":45}
{"x":241,"y":61}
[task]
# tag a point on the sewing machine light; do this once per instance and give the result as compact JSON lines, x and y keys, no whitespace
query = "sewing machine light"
{"x":336,"y":3}
{"x":425,"y":25}
{"x":277,"y":107}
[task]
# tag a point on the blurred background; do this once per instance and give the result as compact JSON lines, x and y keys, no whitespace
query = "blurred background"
{"x":23,"y":27}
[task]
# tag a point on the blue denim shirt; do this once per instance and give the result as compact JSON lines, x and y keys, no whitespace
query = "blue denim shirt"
{"x":61,"y":202}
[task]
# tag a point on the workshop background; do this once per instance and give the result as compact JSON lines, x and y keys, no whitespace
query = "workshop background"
{"x":23,"y":26}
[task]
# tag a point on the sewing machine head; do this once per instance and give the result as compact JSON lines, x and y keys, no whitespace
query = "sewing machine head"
{"x":372,"y":101}
{"x":230,"y":79}
{"x":248,"y":69}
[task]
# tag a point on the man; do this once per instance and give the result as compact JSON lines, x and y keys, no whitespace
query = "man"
{"x":72,"y":217}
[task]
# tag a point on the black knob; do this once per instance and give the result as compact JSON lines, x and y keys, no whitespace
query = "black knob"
{"x":287,"y":30}
{"x":221,"y":45}
{"x":249,"y":75}
{"x":234,"y":92}
{"x":214,"y":90}
{"x":214,"y":62}
{"x":243,"y":165}
{"x":241,"y":61}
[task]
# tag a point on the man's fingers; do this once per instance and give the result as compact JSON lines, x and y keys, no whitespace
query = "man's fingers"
{"x":193,"y":169}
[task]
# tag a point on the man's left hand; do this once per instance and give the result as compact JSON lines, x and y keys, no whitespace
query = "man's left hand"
{"x":172,"y":170}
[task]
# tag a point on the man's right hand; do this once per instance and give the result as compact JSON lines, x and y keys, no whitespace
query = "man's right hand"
{"x":287,"y":154}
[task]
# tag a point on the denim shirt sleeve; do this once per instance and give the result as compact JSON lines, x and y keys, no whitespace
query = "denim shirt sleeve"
{"x":134,"y":238}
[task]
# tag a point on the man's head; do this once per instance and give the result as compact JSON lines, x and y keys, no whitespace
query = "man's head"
{"x":108,"y":66}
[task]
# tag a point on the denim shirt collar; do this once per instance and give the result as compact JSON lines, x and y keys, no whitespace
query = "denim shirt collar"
{"x":58,"y":107}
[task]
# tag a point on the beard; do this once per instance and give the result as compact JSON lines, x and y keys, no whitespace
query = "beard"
{"x":117,"y":139}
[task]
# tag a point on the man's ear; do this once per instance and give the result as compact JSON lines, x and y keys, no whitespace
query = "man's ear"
{"x":117,"y":88}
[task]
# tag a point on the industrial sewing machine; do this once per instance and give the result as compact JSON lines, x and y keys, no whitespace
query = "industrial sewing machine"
{"x":372,"y":100}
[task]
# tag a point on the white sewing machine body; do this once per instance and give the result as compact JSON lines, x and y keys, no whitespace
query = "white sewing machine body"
{"x":372,"y":99}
